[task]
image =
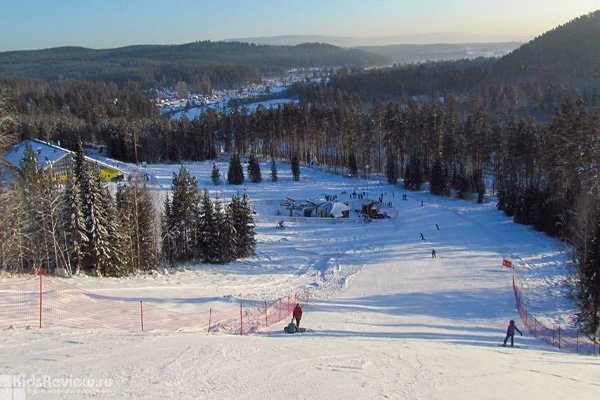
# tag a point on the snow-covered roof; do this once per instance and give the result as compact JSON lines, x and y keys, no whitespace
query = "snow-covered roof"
{"x":334,"y":208}
{"x":45,"y":153}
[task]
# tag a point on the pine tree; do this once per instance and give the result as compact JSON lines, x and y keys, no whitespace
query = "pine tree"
{"x":439,"y":179}
{"x":148,"y":229}
{"x":9,"y":230}
{"x":352,"y":165}
{"x":413,"y":177}
{"x":249,"y":240}
{"x":589,"y":293}
{"x":136,"y":216}
{"x":28,"y":187}
{"x":254,"y":170}
{"x":243,"y":224}
{"x":102,"y":255}
{"x":166,"y":232}
{"x":40,"y":204}
{"x":127,"y":219}
{"x":391,"y":171}
{"x":225,"y":234}
{"x":479,"y":185}
{"x":233,"y":209}
{"x":29,"y":168}
{"x":295,"y":168}
{"x":235,"y":173}
{"x":13,"y":244}
{"x":215,"y":175}
{"x":207,"y":234}
{"x":115,"y":262}
{"x":273,"y":171}
{"x":462,"y":183}
{"x":184,"y":214}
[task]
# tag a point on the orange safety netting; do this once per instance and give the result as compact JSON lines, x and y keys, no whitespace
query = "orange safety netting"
{"x":571,"y":340}
{"x":37,"y":301}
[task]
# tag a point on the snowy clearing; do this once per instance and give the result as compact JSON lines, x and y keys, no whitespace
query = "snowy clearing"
{"x":384,"y":318}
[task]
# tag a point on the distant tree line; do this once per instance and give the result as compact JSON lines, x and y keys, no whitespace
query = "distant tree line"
{"x":204,"y":65}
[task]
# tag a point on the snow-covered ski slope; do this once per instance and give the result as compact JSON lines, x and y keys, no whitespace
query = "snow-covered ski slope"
{"x":385,"y":320}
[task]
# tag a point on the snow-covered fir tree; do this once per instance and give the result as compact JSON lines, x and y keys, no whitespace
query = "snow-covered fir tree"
{"x":235,"y":173}
{"x":136,"y":216}
{"x":225,"y":233}
{"x":207,"y":230}
{"x":101,"y":254}
{"x":73,"y":226}
{"x":116,"y":263}
{"x":184,"y":214}
{"x":243,"y":223}
{"x":254,"y":169}
{"x":166,"y":232}
{"x":215,"y":175}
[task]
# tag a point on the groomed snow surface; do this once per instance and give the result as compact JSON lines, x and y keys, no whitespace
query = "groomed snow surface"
{"x":384,"y":319}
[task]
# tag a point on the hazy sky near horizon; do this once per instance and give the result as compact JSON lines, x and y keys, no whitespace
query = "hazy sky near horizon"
{"x":37,"y":24}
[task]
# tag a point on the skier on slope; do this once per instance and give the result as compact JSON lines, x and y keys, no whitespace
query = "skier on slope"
{"x":510,"y":333}
{"x":297,"y":314}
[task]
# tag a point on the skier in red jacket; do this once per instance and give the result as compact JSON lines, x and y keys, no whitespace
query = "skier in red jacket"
{"x":297,"y":314}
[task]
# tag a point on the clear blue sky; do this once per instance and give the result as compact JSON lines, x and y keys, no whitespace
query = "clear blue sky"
{"x":36,"y":24}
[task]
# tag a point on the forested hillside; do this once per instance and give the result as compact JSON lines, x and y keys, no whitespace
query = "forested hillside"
{"x":532,"y":80}
{"x":569,"y":53}
{"x":204,"y":65}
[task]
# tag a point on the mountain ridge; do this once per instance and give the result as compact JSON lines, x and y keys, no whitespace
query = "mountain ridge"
{"x":194,"y":61}
{"x":570,"y":51}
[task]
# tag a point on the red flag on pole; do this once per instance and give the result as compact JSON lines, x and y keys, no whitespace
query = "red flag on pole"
{"x":506,"y":263}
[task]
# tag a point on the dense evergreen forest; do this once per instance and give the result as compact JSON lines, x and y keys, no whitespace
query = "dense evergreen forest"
{"x":455,"y":125}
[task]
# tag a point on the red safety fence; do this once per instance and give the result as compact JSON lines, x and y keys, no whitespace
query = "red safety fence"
{"x":571,"y":340}
{"x":38,"y":301}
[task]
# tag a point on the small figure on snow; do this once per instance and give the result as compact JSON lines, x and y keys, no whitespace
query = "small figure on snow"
{"x":433,"y":254}
{"x":422,"y":237}
{"x":291,"y":328}
{"x":297,"y":314}
{"x":510,"y":333}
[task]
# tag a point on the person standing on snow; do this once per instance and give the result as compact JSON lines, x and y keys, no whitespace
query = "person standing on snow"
{"x":297,"y":314}
{"x":510,"y":333}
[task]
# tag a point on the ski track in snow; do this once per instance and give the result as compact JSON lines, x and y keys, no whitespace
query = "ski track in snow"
{"x":384,"y":320}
